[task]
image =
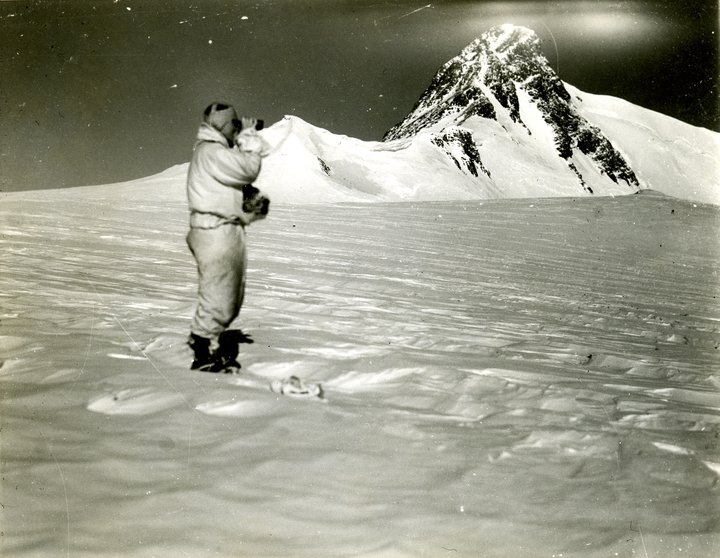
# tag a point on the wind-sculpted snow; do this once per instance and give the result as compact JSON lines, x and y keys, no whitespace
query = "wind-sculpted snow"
{"x":506,"y":378}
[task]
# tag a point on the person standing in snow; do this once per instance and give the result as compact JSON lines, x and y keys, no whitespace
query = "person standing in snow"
{"x":227,"y":157}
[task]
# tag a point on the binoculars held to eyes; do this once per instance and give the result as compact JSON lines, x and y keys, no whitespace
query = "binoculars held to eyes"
{"x":259,"y":124}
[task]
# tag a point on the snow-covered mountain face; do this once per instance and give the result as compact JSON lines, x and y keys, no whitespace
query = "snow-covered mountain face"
{"x":504,"y":77}
{"x":495,"y":122}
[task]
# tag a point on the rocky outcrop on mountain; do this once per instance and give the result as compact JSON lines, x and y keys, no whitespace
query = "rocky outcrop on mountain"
{"x":487,"y":80}
{"x":452,"y":93}
{"x":458,"y":144}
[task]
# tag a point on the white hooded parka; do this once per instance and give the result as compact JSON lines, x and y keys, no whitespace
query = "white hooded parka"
{"x":218,"y":172}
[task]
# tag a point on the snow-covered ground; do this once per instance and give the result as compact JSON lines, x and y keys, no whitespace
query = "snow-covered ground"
{"x":509,"y":378}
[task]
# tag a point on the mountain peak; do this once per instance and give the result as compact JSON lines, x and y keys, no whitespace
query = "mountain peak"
{"x":501,"y":83}
{"x":505,"y":38}
{"x":499,"y":57}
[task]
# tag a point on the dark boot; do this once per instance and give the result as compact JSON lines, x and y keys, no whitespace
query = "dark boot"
{"x":204,"y":358}
{"x":227,"y":353}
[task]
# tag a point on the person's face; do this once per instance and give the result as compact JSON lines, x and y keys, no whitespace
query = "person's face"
{"x":231,"y":129}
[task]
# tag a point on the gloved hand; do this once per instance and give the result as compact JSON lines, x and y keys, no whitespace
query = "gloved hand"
{"x":255,"y":204}
{"x":249,"y":141}
{"x":248,"y":123}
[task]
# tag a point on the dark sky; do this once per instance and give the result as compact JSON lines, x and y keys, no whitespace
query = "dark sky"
{"x":104,"y":91}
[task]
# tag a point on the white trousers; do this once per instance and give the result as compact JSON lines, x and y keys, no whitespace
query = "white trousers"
{"x":221,"y":259}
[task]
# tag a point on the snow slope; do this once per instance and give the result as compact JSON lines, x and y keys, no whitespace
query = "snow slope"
{"x":504,"y":378}
{"x":670,"y":156}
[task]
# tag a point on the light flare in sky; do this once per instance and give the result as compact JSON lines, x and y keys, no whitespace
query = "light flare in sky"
{"x":627,"y":21}
{"x":612,"y":24}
